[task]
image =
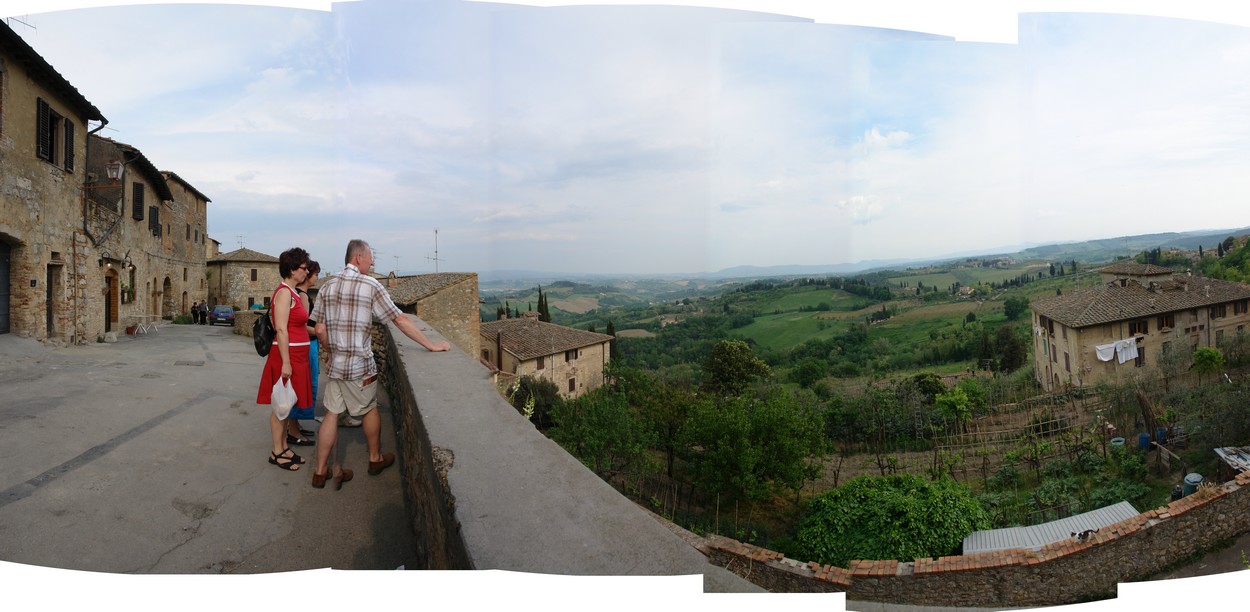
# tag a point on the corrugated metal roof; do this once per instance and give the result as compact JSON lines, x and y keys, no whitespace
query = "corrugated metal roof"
{"x":1037,"y":536}
{"x":1237,"y":457}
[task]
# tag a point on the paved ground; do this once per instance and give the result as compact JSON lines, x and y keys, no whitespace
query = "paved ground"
{"x":149,"y":456}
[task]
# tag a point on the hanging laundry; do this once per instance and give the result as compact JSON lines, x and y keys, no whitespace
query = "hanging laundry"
{"x":1105,"y":352}
{"x":1126,"y":349}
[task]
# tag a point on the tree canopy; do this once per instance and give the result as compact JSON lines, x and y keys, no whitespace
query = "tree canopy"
{"x":901,"y":516}
{"x":732,"y":367}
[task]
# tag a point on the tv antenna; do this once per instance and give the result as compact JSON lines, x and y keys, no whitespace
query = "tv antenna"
{"x":240,"y":237}
{"x":435,"y":258}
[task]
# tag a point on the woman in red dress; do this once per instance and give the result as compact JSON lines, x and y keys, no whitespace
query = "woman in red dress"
{"x":288,"y":359}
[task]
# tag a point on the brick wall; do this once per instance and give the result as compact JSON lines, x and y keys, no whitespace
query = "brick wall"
{"x":1060,"y":573}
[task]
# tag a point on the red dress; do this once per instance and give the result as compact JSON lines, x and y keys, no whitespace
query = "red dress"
{"x":297,"y":335}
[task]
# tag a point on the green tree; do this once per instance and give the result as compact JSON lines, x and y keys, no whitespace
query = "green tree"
{"x":614,"y":351}
{"x":538,"y":395}
{"x":746,"y":449}
{"x":808,"y":372}
{"x":601,"y":430}
{"x":1015,"y":306}
{"x":731,"y":368}
{"x":955,"y":407}
{"x":901,"y":516}
{"x":1207,"y":360}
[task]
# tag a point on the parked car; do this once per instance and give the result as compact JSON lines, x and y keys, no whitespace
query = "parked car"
{"x":221,"y":314}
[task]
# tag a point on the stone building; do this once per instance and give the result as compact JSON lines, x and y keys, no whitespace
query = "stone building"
{"x":92,"y":237}
{"x":50,"y":282}
{"x":573,"y":359}
{"x":185,"y":237}
{"x":241,"y":278}
{"x":448,"y":301}
{"x":1123,"y":325}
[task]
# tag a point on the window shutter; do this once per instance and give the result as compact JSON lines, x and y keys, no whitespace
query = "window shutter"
{"x":43,"y":139}
{"x":136,"y":197}
{"x":69,"y":145}
{"x":154,"y":220}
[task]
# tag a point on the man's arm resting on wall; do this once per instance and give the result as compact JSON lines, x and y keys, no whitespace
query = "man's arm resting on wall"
{"x":411,"y":330}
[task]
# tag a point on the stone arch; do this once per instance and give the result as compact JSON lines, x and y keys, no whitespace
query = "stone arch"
{"x":167,"y":295}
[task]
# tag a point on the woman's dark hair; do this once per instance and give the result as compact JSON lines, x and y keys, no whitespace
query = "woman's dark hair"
{"x":291,"y":259}
{"x":313,"y":268}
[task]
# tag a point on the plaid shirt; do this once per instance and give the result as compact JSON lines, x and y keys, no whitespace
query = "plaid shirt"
{"x":348,"y":304}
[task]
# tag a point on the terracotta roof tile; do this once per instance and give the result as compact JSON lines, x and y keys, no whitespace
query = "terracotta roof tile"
{"x":1128,"y":267}
{"x":1112,"y":302}
{"x":528,"y":337}
{"x":244,"y":255}
{"x":409,"y":289}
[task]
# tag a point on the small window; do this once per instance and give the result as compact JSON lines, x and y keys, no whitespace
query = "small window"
{"x":188,"y":231}
{"x":485,"y":355}
{"x":253,"y":275}
{"x":572,"y":385}
{"x":184,"y":275}
{"x":136,"y":200}
{"x":1219,"y":311}
{"x":1166,"y":322}
{"x":1137,"y":327}
{"x":267,"y":302}
{"x":1067,"y":364}
{"x":542,"y":362}
{"x":570,"y":356}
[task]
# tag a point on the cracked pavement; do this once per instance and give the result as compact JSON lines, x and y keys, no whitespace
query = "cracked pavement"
{"x":149,"y":456}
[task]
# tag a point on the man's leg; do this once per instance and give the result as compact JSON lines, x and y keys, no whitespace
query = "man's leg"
{"x":327,"y":443}
{"x":371,"y":424}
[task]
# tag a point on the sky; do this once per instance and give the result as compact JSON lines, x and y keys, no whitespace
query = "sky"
{"x":664,"y":139}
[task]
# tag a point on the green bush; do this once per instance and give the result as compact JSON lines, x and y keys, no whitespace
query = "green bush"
{"x":901,"y":517}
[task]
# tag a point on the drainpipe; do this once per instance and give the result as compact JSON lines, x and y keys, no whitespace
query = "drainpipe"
{"x":83,"y":191}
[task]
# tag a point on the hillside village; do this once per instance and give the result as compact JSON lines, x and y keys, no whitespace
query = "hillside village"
{"x":95,"y":239}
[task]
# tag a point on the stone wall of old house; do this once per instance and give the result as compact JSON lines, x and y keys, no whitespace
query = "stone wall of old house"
{"x":231,"y":283}
{"x":453,"y":311}
{"x":41,"y":220}
{"x":187,"y":214}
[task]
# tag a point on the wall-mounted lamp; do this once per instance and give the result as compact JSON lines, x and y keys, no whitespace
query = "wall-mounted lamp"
{"x":107,"y":260}
{"x":114,"y":170}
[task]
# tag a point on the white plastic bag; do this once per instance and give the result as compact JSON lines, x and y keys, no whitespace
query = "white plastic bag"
{"x":282,"y":398}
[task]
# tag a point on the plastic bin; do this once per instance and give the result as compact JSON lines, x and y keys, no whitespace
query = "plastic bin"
{"x":1192,"y":480}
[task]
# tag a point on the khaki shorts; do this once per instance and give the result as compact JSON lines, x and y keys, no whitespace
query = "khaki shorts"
{"x":357,"y":397}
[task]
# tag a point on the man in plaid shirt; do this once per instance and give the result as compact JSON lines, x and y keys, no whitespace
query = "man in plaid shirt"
{"x":345,"y":310}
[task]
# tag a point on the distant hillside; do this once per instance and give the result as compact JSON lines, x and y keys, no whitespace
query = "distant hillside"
{"x":663,"y":286}
{"x":1108,"y":249}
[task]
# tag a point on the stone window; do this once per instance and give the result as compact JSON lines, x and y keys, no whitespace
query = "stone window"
{"x":54,"y":136}
{"x":136,"y":197}
{"x":253,"y":275}
{"x":1137,"y":327}
{"x":572,"y":385}
{"x":542,"y":362}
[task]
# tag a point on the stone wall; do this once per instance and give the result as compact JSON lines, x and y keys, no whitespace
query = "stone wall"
{"x":1062,"y":573}
{"x":453,"y":310}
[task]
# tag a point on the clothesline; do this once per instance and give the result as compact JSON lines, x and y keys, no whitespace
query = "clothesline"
{"x":1125,"y":349}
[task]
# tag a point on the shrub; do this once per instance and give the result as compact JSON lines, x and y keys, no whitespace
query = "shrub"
{"x":901,"y":516}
